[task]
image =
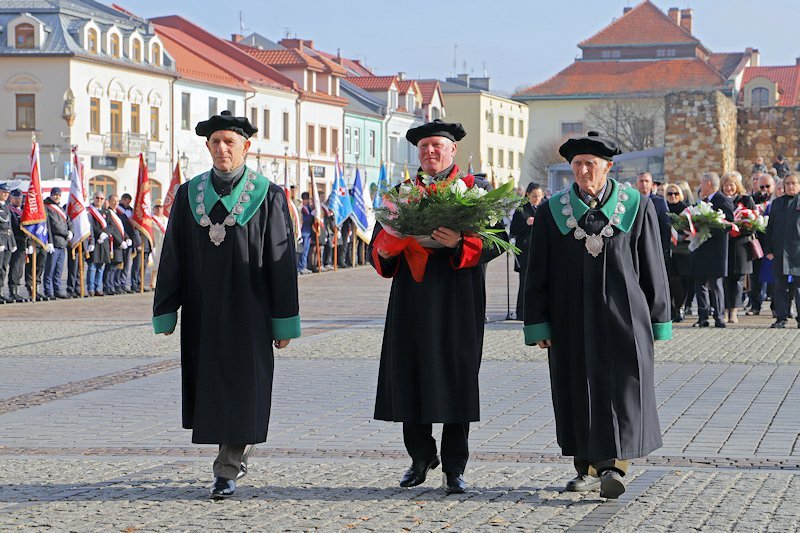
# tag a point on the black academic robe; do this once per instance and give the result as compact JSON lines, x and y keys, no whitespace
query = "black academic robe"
{"x":602,"y":315}
{"x":710,"y":260}
{"x":433,"y":337}
{"x":235,"y":299}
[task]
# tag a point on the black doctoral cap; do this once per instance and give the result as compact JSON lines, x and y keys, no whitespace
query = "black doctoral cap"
{"x":591,"y":144}
{"x":437,"y":128}
{"x":225,"y":121}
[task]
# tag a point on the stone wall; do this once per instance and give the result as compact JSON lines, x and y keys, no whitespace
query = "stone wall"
{"x":701,"y":131}
{"x":767,"y":132}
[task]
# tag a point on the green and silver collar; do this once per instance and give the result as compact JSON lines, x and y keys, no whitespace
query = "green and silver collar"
{"x":567,"y":204}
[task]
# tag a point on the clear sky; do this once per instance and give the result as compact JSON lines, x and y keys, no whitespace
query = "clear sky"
{"x":520,"y":42}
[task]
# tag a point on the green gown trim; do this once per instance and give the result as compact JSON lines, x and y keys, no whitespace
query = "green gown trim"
{"x":536,"y":332}
{"x":579,"y":208}
{"x":165,"y":323}
{"x":286,"y":328}
{"x":662,"y":331}
{"x":210,"y":196}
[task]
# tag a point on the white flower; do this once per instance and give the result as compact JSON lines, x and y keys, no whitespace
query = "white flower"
{"x":479,"y":191}
{"x":458,"y":187}
{"x":405,"y":188}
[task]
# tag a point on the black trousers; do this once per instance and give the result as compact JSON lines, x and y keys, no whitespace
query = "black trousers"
{"x":5,"y":265}
{"x":710,"y":295}
{"x":16,"y":267}
{"x":784,"y":292}
{"x":421,"y":445}
{"x":41,"y":255}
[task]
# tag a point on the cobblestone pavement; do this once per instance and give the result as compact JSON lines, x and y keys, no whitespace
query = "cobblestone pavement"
{"x":90,"y":435}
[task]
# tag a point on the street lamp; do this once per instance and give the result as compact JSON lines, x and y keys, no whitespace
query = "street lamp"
{"x":184,"y":162}
{"x":55,"y":155}
{"x":275,"y":166}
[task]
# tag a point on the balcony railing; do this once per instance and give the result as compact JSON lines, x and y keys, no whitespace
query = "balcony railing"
{"x":125,"y":144}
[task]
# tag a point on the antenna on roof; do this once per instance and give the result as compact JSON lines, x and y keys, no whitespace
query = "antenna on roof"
{"x":485,"y":74}
{"x":287,"y":31}
{"x":242,"y":28}
{"x":455,"y":57}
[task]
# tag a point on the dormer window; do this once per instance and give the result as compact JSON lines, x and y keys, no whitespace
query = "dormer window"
{"x":136,"y":50}
{"x":114,"y":48}
{"x":156,"y":53}
{"x":91,"y":41}
{"x":611,"y":54}
{"x":759,"y":97}
{"x":393,"y":99}
{"x":24,"y":37}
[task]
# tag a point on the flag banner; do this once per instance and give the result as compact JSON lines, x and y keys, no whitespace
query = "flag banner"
{"x":383,"y":186}
{"x":293,"y":214}
{"x":169,"y":199}
{"x":76,"y":205}
{"x":470,"y":170}
{"x":142,"y":215}
{"x":339,"y":201}
{"x":406,"y":175}
{"x":362,"y":209}
{"x":318,"y":211}
{"x":34,"y":216}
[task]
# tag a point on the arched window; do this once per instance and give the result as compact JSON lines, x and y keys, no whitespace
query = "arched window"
{"x":156,"y":55}
{"x":106,"y":184}
{"x":759,"y":97}
{"x":91,"y":41}
{"x":136,"y":54}
{"x":114,"y":48}
{"x":23,"y":36}
{"x":155,"y":191}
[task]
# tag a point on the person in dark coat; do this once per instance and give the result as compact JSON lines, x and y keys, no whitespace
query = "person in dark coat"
{"x":646,"y":186}
{"x":740,"y":260}
{"x":433,"y":339}
{"x":99,"y":250}
{"x":678,"y":268}
{"x":228,"y":262}
{"x":7,"y":242}
{"x":596,"y":297}
{"x":59,"y":235}
{"x":521,"y":228}
{"x":782,"y":247}
{"x":17,"y":264}
{"x":781,"y":167}
{"x":710,"y":260}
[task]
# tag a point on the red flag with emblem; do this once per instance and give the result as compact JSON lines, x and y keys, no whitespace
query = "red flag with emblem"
{"x":177,"y":179}
{"x":142,"y":217}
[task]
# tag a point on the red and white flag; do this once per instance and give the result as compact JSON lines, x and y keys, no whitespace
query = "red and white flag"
{"x":34,"y":216}
{"x":177,"y":179}
{"x":293,"y":214}
{"x":76,"y":206}
{"x":142,"y":215}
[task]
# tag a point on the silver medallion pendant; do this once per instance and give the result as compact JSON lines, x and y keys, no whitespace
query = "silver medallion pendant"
{"x":594,"y":244}
{"x":216,"y":233}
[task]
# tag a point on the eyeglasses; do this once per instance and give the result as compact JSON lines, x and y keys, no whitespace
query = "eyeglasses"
{"x":762,"y":187}
{"x":673,"y":194}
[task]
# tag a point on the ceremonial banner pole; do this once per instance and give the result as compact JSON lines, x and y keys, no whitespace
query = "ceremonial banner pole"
{"x":142,"y":258}
{"x":33,"y":273}
{"x":319,"y":254}
{"x":336,"y":249}
{"x":353,"y":251}
{"x":80,"y":266}
{"x":508,"y":288}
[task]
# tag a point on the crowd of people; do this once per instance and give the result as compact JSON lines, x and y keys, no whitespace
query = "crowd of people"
{"x":731,"y":273}
{"x":112,"y":253}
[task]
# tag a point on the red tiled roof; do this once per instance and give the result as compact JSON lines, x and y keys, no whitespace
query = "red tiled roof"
{"x":373,"y":83}
{"x":283,"y":58}
{"x":644,"y":24}
{"x":627,"y":77}
{"x":726,"y":63}
{"x":428,"y":89}
{"x":787,"y":78}
{"x":333,"y":66}
{"x":353,"y":66}
{"x":195,"y":67}
{"x":404,"y":86}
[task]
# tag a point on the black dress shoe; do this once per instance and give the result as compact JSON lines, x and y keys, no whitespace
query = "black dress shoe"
{"x":454,"y":483}
{"x":779,"y":324}
{"x":248,"y":450}
{"x":62,"y":296}
{"x":418,"y":472}
{"x":701,"y":324}
{"x":222,"y":488}
{"x":679,"y":316}
{"x":720,"y":323}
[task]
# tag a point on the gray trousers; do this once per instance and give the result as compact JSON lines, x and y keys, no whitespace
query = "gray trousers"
{"x":230,"y":458}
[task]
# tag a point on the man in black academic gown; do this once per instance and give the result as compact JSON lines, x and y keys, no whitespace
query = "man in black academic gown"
{"x":228,"y":260}
{"x":709,"y":262}
{"x":596,"y":296}
{"x":433,"y":338}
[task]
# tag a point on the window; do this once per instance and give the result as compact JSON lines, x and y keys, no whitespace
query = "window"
{"x":572,"y":128}
{"x":114,"y":48}
{"x":357,"y":141}
{"x":212,"y":106}
{"x":334,"y":140}
{"x":94,"y":115}
{"x":759,"y":97}
{"x":520,"y":158}
{"x":665,"y":52}
{"x":510,"y":159}
{"x":347,"y":146}
{"x":156,"y":54}
{"x":186,"y":103}
{"x":323,"y":140}
{"x":265,"y":125}
{"x":136,"y":53}
{"x":232,"y":107}
{"x":105,"y":184}
{"x":23,"y":36}
{"x":285,"y":127}
{"x":511,"y":126}
{"x":435,"y":113}
{"x":371,"y":143}
{"x":393,"y":99}
{"x":135,"y":118}
{"x":521,"y":129}
{"x":155,"y":189}
{"x":116,"y":117}
{"x":490,"y":158}
{"x":500,"y":158}
{"x":611,"y":54}
{"x":501,"y":124}
{"x":155,"y":123}
{"x":489,"y":121}
{"x":310,"y":135}
{"x":254,"y":116}
{"x":91,"y":41}
{"x":26,"y":112}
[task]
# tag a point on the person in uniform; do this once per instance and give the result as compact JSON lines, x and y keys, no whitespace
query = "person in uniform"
{"x":596,"y":297}
{"x":228,"y":261}
{"x":7,"y":243}
{"x":127,"y":278}
{"x":119,"y":241}
{"x":59,"y":236}
{"x":17,"y":265}
{"x":99,"y":250}
{"x":433,"y":338}
{"x":159,"y":230}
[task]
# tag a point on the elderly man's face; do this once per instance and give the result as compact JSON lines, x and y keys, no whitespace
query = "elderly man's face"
{"x":766,"y":184}
{"x":228,"y":149}
{"x":644,"y":183}
{"x":56,"y":197}
{"x":591,"y":172}
{"x":113,"y":201}
{"x":436,"y":154}
{"x":98,"y":200}
{"x":16,"y":201}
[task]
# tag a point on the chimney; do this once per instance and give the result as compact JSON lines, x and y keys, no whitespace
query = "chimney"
{"x":686,"y":19}
{"x":755,"y":57}
{"x":401,"y":76}
{"x":480,"y":83}
{"x":625,"y":10}
{"x":237,"y":37}
{"x":797,"y":61}
{"x":291,"y":43}
{"x":675,"y":14}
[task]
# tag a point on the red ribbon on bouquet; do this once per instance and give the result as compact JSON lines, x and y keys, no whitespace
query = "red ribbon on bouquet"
{"x":416,"y":255}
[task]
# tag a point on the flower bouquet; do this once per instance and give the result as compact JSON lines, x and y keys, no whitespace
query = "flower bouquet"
{"x":748,"y":222}
{"x":699,"y":221}
{"x":416,"y":209}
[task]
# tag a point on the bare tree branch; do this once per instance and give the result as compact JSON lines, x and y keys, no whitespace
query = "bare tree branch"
{"x":543,"y":155}
{"x":634,"y":124}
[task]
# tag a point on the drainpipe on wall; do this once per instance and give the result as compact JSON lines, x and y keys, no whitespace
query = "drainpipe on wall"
{"x":172,"y":158}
